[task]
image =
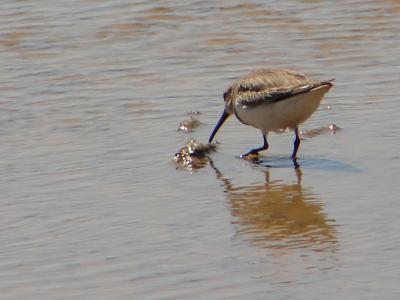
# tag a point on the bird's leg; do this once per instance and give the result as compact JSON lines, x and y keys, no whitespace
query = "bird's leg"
{"x":256,"y":150}
{"x":296,"y":143}
{"x":296,"y":164}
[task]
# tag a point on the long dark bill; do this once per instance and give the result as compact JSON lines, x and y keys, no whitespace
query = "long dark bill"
{"x":221,"y":121}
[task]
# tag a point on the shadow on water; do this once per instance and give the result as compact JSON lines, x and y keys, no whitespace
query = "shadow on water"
{"x":322,"y":164}
{"x":279,"y":215}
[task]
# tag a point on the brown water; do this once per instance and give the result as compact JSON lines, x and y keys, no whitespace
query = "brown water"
{"x":93,"y":206}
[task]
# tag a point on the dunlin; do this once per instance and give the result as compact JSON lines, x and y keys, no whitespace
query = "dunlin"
{"x":273,"y":100}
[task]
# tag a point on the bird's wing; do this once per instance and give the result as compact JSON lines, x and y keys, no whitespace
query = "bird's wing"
{"x":254,"y":98}
{"x":269,"y":86}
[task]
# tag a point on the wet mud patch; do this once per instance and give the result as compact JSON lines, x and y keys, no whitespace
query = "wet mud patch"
{"x":310,"y":133}
{"x":194,"y":155}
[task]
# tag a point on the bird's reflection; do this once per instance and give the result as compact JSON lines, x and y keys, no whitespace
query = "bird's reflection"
{"x":280,"y":215}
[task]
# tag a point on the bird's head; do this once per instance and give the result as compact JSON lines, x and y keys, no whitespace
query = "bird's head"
{"x":228,"y":99}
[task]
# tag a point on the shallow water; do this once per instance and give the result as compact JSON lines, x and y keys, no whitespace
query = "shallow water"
{"x":92,"y":203}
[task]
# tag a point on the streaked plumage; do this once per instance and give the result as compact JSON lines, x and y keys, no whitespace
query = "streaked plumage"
{"x":273,"y":100}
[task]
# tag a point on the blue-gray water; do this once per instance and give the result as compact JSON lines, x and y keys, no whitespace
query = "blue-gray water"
{"x":92,"y":204}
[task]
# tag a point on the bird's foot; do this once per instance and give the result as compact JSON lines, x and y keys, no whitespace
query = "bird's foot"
{"x":295,"y":163}
{"x":251,"y":155}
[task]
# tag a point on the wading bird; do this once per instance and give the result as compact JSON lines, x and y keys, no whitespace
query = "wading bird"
{"x":273,"y":100}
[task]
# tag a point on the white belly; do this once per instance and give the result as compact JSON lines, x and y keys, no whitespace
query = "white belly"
{"x":283,"y":114}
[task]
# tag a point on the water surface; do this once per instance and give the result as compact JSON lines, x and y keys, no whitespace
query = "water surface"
{"x":92,"y":203}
